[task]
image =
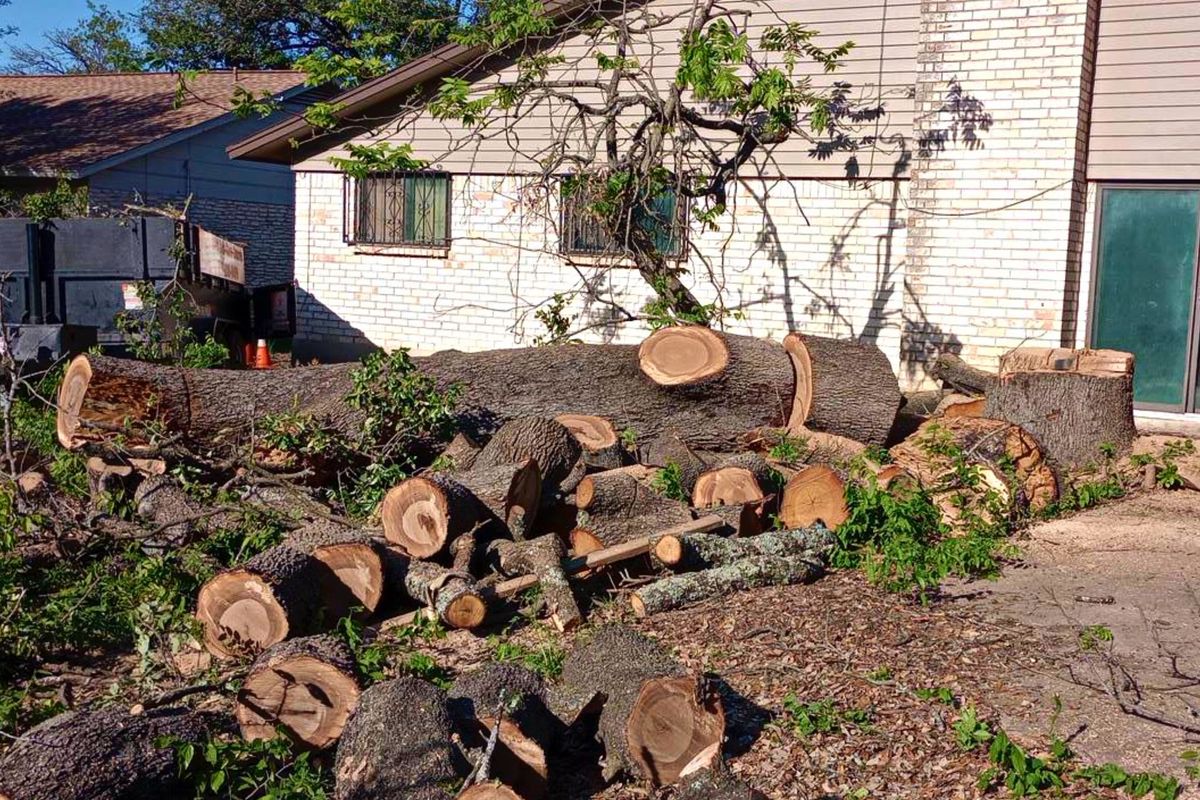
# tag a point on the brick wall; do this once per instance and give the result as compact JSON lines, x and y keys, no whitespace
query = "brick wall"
{"x":265,"y":228}
{"x":998,"y":183}
{"x":816,"y":256}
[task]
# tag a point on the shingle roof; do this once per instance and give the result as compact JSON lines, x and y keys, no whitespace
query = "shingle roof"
{"x":53,"y":124}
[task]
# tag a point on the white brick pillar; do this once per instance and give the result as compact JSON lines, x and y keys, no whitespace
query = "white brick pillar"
{"x":998,"y":178}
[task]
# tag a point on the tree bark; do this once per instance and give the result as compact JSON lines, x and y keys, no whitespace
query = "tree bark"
{"x":308,"y":686}
{"x":461,"y":452}
{"x":620,"y":506}
{"x":668,"y":450}
{"x":961,"y":376}
{"x":102,"y":754}
{"x":351,"y":570}
{"x":715,"y":783}
{"x":557,"y":452}
{"x":452,"y":596}
{"x":543,"y":557}
{"x":694,"y":551}
{"x":399,"y":743}
{"x":680,"y":591}
{"x":602,"y":448}
{"x":842,"y":387}
{"x":271,"y":597}
{"x":489,"y":791}
{"x":657,"y":716}
{"x":180,"y":518}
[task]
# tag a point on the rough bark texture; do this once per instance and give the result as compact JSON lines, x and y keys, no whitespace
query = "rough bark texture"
{"x":680,"y":591}
{"x":398,"y":743}
{"x":634,"y":673}
{"x":160,"y":500}
{"x":543,"y":557}
{"x":280,"y":584}
{"x":602,"y":448}
{"x":558,"y":454}
{"x":510,"y":490}
{"x":667,"y":450}
{"x":1070,"y":414}
{"x":717,"y":783}
{"x":105,"y":754}
{"x":842,"y":387}
{"x":489,"y":791}
{"x":452,"y":596}
{"x":696,"y":551}
{"x":350,"y":567}
{"x":961,"y":376}
{"x":746,"y":519}
{"x":622,"y":507}
{"x":461,"y":452}
{"x":308,"y":686}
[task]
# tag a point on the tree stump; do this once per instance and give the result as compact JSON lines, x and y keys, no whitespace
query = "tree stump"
{"x":307,"y":686}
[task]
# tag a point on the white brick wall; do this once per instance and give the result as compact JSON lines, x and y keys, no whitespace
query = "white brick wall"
{"x":817,"y":256}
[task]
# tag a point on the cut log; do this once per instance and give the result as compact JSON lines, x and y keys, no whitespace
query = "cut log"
{"x":108,"y":479}
{"x":399,"y":743}
{"x":557,"y":452}
{"x":705,"y":550}
{"x":842,"y":387}
{"x":714,"y":782}
{"x":602,"y":448}
{"x":740,"y":520}
{"x":657,"y":716}
{"x":683,"y":355}
{"x":680,"y":591}
{"x":424,"y":514}
{"x":619,"y":506}
{"x":735,"y":480}
{"x":271,"y":597}
{"x":667,"y":450}
{"x":814,"y":494}
{"x":351,"y":569}
{"x":960,"y":405}
{"x":1007,"y":459}
{"x":306,"y":686}
{"x":489,"y":791}
{"x":103,"y":754}
{"x":1069,"y":414}
{"x":460,"y":454}
{"x":543,"y":557}
{"x":514,"y":698}
{"x":452,"y":596}
{"x":1107,"y":363}
{"x":961,"y":376}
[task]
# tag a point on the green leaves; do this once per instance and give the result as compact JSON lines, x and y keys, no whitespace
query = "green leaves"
{"x":709,"y":61}
{"x":821,"y":716}
{"x":264,"y":769}
{"x":669,"y":483}
{"x":366,"y":159}
{"x":507,"y":23}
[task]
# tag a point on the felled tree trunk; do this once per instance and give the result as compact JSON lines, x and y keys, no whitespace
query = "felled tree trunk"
{"x":961,"y":376}
{"x":842,"y":387}
{"x":602,"y":448}
{"x":657,"y":717}
{"x":271,"y":597}
{"x":351,"y":569}
{"x":514,"y":698}
{"x":452,"y":596}
{"x":399,"y":743}
{"x":105,"y":753}
{"x":734,"y":480}
{"x":179,"y":519}
{"x":1070,"y":413}
{"x":543,"y":557}
{"x":307,"y":686}
{"x":620,"y":505}
{"x":693,"y":551}
{"x":426,"y":513}
{"x":680,"y":591}
{"x":557,"y":452}
{"x":814,"y":494}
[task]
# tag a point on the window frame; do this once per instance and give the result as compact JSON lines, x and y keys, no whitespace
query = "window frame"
{"x":616,"y":252}
{"x":351,"y":211}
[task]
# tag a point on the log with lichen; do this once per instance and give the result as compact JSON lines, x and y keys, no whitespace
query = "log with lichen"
{"x":754,"y":572}
{"x":695,"y":551}
{"x":543,"y":558}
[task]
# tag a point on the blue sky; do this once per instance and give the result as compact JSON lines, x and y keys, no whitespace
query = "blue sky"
{"x":35,"y":17}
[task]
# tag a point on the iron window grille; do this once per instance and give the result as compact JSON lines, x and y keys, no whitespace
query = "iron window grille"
{"x":404,"y":208}
{"x":583,"y":234}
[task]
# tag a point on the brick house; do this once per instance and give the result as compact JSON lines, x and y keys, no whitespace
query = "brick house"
{"x":129,"y":137}
{"x":1032,"y":178}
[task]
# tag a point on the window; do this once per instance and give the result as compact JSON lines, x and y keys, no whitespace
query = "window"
{"x":405,"y":208}
{"x":664,"y":218}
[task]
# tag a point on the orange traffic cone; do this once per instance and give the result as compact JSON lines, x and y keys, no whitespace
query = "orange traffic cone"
{"x":262,"y":356}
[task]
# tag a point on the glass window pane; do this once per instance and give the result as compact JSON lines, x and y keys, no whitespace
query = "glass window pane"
{"x":1144,"y":293}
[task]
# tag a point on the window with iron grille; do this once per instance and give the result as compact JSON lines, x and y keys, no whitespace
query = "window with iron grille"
{"x":411,"y":208}
{"x":583,"y":234}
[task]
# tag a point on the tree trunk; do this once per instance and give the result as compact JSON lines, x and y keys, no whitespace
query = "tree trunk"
{"x":694,"y":551}
{"x":307,"y":686}
{"x":620,"y":506}
{"x":426,"y":513}
{"x":180,"y":518}
{"x":351,"y":570}
{"x":399,"y":743}
{"x":461,"y":453}
{"x":1070,"y":414}
{"x":961,"y":376}
{"x":452,"y":596}
{"x":842,"y":387}
{"x":680,"y":591}
{"x":543,"y":557}
{"x":745,"y":519}
{"x":271,"y":597}
{"x":960,"y":405}
{"x":103,"y":754}
{"x":657,"y":716}
{"x":515,"y":698}
{"x":814,"y":494}
{"x":735,"y":480}
{"x":558,"y":454}
{"x":602,"y":448}
{"x":667,"y":450}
